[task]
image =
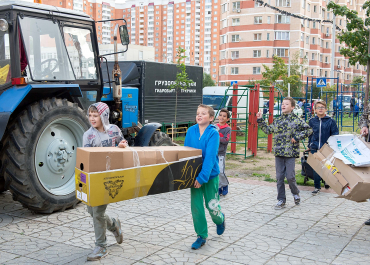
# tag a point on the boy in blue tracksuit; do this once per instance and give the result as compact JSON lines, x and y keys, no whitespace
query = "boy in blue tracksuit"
{"x":323,"y":127}
{"x":205,"y":136}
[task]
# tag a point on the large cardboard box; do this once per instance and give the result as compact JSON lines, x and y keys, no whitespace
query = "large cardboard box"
{"x":349,"y":182}
{"x":107,"y":174}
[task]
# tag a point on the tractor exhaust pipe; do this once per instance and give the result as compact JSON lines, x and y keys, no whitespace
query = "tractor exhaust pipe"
{"x":117,"y":74}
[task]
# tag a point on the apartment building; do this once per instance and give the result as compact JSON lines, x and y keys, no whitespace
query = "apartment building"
{"x":96,"y":9}
{"x":252,"y":33}
{"x":165,"y":25}
{"x":192,"y":24}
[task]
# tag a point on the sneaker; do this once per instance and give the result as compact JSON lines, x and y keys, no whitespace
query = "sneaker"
{"x":367,"y":222}
{"x":327,"y":186}
{"x":225,"y":190}
{"x":297,"y":199}
{"x":97,"y":254}
{"x":118,"y":231}
{"x":280,"y":205}
{"x":220,"y":191}
{"x":316,"y":191}
{"x":198,"y":243}
{"x":221,"y":227}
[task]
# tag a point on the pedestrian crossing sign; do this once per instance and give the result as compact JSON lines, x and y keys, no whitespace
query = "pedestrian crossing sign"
{"x":321,"y":82}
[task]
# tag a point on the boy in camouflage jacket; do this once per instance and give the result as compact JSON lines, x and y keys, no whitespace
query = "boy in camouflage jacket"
{"x":288,"y":130}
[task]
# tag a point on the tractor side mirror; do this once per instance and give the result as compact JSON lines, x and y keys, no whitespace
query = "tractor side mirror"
{"x":125,"y":39}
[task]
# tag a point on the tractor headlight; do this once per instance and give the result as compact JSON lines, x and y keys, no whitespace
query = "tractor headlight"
{"x":4,"y":25}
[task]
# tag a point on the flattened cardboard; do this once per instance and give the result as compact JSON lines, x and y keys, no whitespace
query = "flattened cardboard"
{"x":337,"y":182}
{"x":357,"y":178}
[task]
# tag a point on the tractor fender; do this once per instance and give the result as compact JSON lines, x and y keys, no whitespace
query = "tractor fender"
{"x":9,"y":101}
{"x":12,"y":97}
{"x":145,"y":134}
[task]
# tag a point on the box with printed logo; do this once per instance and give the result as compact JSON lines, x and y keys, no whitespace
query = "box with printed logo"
{"x":107,"y":174}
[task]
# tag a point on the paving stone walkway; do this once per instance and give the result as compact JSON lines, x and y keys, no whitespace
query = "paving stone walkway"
{"x":158,"y":230}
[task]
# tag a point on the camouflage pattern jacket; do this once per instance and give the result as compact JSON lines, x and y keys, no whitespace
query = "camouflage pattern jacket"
{"x":284,"y":128}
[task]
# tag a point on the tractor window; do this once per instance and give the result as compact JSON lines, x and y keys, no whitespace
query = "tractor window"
{"x":4,"y":58}
{"x":79,"y":47}
{"x":46,"y":53}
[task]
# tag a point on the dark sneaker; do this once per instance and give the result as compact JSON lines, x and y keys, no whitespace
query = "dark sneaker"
{"x":220,"y":191}
{"x":297,"y":199}
{"x":280,"y":205}
{"x":221,"y":227}
{"x":327,"y":186}
{"x":118,"y":231}
{"x":225,"y":190}
{"x":97,"y":254}
{"x":367,"y":222}
{"x":198,"y":243}
{"x":316,"y":191}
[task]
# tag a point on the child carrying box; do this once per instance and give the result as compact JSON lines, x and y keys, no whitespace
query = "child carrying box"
{"x":102,"y":134}
{"x":224,"y":131}
{"x":323,"y":127}
{"x":288,"y":130}
{"x":204,"y":136}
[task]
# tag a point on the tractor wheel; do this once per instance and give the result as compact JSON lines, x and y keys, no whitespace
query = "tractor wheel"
{"x":40,"y":156}
{"x":160,"y":138}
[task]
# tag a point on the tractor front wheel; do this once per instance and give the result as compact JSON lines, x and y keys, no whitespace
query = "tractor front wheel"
{"x":159,"y":139}
{"x":40,"y":156}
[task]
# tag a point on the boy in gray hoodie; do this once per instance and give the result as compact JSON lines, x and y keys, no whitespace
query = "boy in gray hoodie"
{"x":102,"y":134}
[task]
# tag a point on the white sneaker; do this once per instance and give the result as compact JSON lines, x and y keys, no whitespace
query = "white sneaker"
{"x":97,"y":254}
{"x":280,"y":205}
{"x":297,"y":199}
{"x":316,"y":191}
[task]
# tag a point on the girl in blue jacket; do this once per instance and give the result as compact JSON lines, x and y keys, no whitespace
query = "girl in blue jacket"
{"x":204,"y":135}
{"x":323,"y":127}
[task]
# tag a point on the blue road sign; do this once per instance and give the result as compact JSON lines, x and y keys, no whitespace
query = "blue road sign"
{"x":233,"y":82}
{"x":321,"y":82}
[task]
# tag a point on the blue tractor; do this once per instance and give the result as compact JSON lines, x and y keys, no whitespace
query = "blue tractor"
{"x":50,"y":72}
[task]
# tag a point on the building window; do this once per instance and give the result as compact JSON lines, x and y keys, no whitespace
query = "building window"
{"x":315,"y":9}
{"x":268,"y":36}
{"x":267,"y":53}
{"x":236,"y":6}
{"x":326,"y":59}
{"x":281,"y":35}
{"x":311,"y":71}
{"x":268,"y":20}
{"x":235,"y":38}
{"x":234,"y":54}
{"x":307,"y":40}
{"x":236,"y":22}
{"x":313,"y":40}
{"x":281,"y":19}
{"x":284,"y":3}
{"x":313,"y":56}
{"x":257,"y":20}
{"x":308,"y":7}
{"x":256,"y":53}
{"x":257,"y":36}
{"x":234,"y":70}
{"x":303,"y":4}
{"x":280,"y":52}
{"x":256,"y":70}
{"x":223,"y":70}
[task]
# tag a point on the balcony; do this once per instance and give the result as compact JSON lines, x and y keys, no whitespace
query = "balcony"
{"x":141,"y":26}
{"x":141,"y":31}
{"x":150,"y":30}
{"x":197,"y":4}
{"x":141,"y":15}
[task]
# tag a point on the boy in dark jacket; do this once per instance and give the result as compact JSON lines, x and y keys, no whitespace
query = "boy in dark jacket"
{"x":323,"y":127}
{"x":288,"y":130}
{"x":224,"y":131}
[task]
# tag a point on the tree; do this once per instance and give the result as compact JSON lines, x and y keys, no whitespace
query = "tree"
{"x":207,"y":80}
{"x":358,"y":80}
{"x":279,"y":71}
{"x":356,"y":37}
{"x":182,"y":80}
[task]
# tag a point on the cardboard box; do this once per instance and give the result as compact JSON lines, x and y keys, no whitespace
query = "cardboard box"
{"x":134,"y":172}
{"x":352,"y":183}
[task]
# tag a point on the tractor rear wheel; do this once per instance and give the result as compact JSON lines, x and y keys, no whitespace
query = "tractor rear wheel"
{"x":159,"y":139}
{"x":40,"y":156}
